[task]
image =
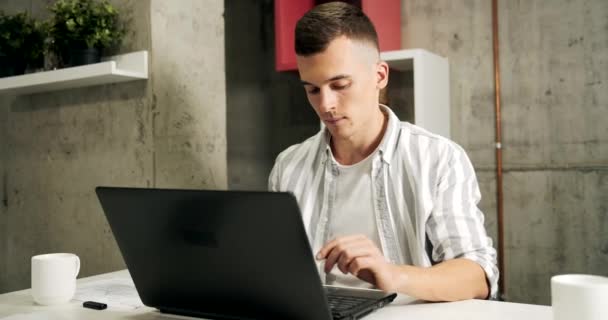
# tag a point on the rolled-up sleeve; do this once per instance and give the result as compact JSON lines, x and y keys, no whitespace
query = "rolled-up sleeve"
{"x":456,"y":225}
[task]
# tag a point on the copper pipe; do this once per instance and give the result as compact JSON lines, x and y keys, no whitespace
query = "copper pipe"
{"x":499,"y":199}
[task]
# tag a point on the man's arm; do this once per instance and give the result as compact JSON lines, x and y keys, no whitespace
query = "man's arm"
{"x":451,"y":280}
{"x":455,"y":226}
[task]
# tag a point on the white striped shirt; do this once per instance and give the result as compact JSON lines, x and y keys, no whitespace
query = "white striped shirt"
{"x":424,"y":190}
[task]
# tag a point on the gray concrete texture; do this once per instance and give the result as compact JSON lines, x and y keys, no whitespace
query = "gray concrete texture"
{"x":555,"y":139}
{"x":189,"y":97}
{"x":168,"y":131}
{"x":557,"y":223}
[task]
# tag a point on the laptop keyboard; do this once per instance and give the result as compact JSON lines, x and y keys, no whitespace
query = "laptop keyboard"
{"x":342,"y":305}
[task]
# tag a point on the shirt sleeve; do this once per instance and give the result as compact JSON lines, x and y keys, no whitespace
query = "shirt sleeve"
{"x":273,"y":179}
{"x":456,"y":225}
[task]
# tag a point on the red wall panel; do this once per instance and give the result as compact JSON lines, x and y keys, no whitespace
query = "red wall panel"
{"x":386,"y":17}
{"x":384,"y":14}
{"x":286,"y":15}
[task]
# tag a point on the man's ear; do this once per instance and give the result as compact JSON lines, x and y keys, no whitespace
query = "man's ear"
{"x":381,"y":75}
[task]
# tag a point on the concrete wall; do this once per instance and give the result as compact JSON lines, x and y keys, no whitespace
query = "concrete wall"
{"x":189,"y":95}
{"x":554,"y":58}
{"x":57,"y":147}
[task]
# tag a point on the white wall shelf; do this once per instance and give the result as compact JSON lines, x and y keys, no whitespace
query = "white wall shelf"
{"x":119,"y":68}
{"x":431,"y":86}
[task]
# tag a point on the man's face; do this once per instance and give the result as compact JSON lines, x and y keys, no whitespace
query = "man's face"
{"x":342,"y":84}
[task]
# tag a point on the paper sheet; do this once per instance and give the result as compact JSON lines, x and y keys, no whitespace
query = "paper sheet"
{"x":116,"y":293}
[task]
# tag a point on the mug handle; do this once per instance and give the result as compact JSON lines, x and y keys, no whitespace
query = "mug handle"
{"x":77,"y":266}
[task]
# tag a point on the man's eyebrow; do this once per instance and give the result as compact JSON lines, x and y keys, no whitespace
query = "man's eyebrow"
{"x":338,"y":77}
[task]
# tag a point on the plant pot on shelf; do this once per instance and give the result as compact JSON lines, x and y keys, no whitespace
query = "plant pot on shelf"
{"x":78,"y":56}
{"x":11,"y":65}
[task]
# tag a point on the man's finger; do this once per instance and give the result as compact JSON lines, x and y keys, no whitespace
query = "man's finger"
{"x":352,"y":253}
{"x":362,"y":268}
{"x":337,"y":241}
{"x":335,"y":254}
{"x":358,"y":264}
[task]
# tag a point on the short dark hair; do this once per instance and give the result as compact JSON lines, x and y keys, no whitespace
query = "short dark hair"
{"x":328,"y":21}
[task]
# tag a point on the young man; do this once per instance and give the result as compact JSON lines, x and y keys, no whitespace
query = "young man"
{"x":386,"y":204}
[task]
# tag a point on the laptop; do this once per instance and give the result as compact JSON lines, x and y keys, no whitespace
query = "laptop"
{"x":225,"y":255}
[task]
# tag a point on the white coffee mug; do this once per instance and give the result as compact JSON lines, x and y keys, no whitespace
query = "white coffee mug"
{"x":579,"y":297}
{"x":54,"y":277}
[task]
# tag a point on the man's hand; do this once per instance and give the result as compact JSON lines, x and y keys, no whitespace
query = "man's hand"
{"x":359,"y":256}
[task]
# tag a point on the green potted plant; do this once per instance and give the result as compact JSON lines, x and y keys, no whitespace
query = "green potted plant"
{"x":81,"y":29}
{"x":22,"y":43}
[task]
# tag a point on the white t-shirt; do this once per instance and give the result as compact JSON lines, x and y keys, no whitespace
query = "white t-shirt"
{"x":353,"y":213}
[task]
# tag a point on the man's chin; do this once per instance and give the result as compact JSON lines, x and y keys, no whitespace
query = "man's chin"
{"x":339,"y":133}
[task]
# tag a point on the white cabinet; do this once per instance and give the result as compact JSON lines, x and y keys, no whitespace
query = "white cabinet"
{"x":419,"y":88}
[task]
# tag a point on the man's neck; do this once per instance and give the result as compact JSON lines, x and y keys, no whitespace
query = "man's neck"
{"x":359,"y":146}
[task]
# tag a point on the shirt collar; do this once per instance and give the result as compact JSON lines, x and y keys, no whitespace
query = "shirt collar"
{"x":391,"y":135}
{"x":387,"y":146}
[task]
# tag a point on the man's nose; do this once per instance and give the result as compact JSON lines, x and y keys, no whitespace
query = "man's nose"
{"x":327,"y":101}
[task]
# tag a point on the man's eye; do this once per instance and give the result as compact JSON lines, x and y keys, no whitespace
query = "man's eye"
{"x":313,"y":90}
{"x":341,"y":86}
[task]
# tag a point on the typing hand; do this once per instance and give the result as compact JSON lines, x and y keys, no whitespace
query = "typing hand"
{"x":358,"y":255}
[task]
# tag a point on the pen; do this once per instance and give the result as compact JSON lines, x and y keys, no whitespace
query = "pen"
{"x":94,"y":305}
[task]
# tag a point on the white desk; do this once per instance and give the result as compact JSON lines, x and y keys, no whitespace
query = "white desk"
{"x":20,"y":302}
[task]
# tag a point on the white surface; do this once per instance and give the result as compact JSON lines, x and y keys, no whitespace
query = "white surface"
{"x":54,"y":277}
{"x":579,"y":296}
{"x":431,"y":86}
{"x":120,"y":68}
{"x":19,"y":306}
{"x":119,"y":293}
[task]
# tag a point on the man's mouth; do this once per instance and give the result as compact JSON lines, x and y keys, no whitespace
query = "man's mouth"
{"x":333,"y":120}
